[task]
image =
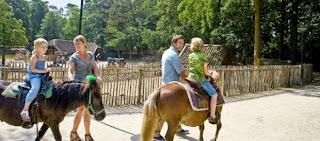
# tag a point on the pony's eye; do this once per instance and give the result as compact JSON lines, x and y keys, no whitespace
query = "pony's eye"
{"x":97,"y":95}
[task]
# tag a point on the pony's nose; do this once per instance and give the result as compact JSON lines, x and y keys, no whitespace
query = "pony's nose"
{"x":100,"y":116}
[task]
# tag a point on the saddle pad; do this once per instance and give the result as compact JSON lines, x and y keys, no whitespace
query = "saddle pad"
{"x":48,"y":92}
{"x":10,"y":92}
{"x":193,"y":105}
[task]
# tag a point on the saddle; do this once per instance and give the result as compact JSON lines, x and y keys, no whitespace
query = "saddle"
{"x":23,"y":88}
{"x":45,"y":88}
{"x":199,"y":97}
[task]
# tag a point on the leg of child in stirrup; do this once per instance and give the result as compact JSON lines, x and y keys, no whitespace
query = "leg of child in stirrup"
{"x":213,"y":103}
{"x":32,"y":94}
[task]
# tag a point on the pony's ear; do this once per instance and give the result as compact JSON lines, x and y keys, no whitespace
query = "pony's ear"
{"x":89,"y":84}
{"x":216,"y":77}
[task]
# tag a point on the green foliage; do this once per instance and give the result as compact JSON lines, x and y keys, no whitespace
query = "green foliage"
{"x":310,"y":18}
{"x":94,"y":21}
{"x":139,"y":25}
{"x":21,"y":10}
{"x":236,"y":28}
{"x":127,"y":39}
{"x":11,"y":29}
{"x":70,"y":30}
{"x":38,"y":11}
{"x":155,"y":39}
{"x":168,"y":21}
{"x":201,"y":14}
{"x":51,"y":26}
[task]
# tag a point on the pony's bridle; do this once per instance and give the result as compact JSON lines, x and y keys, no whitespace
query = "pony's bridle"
{"x":90,"y":107}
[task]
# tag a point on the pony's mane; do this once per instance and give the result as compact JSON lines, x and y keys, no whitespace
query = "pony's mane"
{"x":73,"y":81}
{"x":66,"y":92}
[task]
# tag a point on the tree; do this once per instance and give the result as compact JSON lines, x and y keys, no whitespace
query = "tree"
{"x":51,"y":26}
{"x":257,"y":34}
{"x":12,"y":31}
{"x":282,"y":28}
{"x":109,"y":22}
{"x":69,"y":6}
{"x":294,"y":30}
{"x":70,"y":30}
{"x":38,"y":11}
{"x":21,"y":10}
{"x":168,"y":20}
{"x":155,"y":40}
{"x":95,"y":21}
{"x":202,"y":14}
{"x":55,"y":9}
{"x":236,"y":28}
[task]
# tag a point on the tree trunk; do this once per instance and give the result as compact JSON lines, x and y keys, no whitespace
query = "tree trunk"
{"x":282,"y":26}
{"x":3,"y":62}
{"x":130,"y":54}
{"x":3,"y":55}
{"x":294,"y":32}
{"x":257,"y":34}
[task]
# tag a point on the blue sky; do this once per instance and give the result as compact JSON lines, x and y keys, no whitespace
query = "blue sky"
{"x":63,"y":3}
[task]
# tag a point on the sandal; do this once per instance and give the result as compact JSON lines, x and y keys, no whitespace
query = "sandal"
{"x":77,"y":138}
{"x":25,"y":118}
{"x":213,"y":120}
{"x":88,"y":135}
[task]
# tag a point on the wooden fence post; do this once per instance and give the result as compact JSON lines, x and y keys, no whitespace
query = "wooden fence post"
{"x":222,"y":83}
{"x":140,"y":86}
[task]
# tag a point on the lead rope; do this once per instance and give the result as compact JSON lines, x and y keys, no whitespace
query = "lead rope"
{"x":36,"y":105}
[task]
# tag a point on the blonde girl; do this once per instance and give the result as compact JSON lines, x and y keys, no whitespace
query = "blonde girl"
{"x":36,"y":70}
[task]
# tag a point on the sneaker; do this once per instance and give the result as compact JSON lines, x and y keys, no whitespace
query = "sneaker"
{"x":159,"y":138}
{"x":183,"y":132}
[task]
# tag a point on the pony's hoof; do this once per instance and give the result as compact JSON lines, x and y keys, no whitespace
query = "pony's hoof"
{"x":183,"y":132}
{"x":159,"y":138}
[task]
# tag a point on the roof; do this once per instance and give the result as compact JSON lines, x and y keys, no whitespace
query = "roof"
{"x":68,"y":46}
{"x":217,"y":55}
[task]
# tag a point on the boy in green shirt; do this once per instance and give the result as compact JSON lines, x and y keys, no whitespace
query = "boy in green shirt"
{"x":198,"y":63}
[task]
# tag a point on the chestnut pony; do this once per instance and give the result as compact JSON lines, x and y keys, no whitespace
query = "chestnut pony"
{"x":171,"y":104}
{"x":65,"y":97}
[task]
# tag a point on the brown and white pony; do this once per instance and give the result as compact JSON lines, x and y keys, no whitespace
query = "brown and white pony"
{"x":171,"y":104}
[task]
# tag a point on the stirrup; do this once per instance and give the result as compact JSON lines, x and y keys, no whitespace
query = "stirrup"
{"x":213,"y":120}
{"x":26,"y":124}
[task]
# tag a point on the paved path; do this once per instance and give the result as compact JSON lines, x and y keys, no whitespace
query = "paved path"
{"x":291,"y":114}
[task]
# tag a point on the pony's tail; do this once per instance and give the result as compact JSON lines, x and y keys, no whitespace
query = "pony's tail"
{"x":150,"y":117}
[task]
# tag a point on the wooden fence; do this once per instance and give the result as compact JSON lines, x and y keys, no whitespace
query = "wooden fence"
{"x":248,"y":79}
{"x":133,"y":84}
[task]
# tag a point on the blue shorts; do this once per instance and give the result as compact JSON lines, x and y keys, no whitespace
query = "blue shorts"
{"x":208,"y":88}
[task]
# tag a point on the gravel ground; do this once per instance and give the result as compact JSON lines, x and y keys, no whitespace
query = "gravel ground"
{"x":288,"y":114}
